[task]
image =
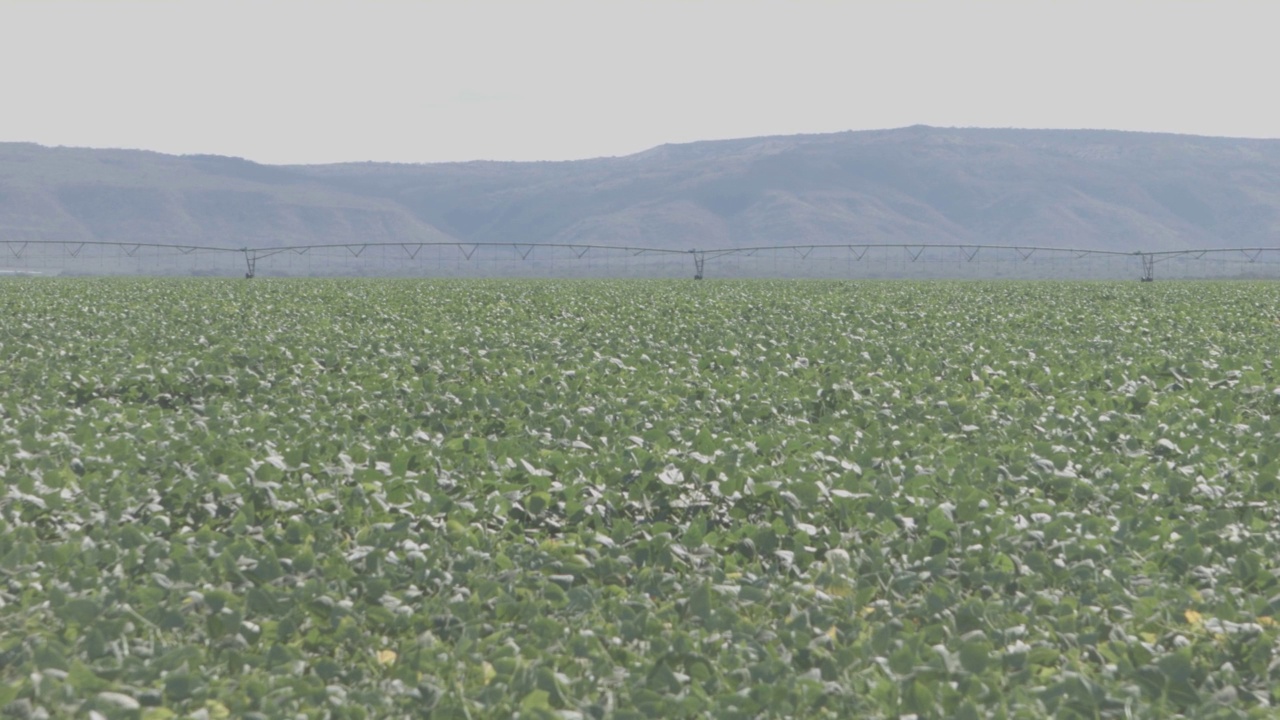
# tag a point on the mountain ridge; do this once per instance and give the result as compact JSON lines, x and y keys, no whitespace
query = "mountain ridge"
{"x":1092,"y":189}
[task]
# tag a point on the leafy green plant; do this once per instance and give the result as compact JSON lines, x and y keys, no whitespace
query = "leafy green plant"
{"x":360,"y":498}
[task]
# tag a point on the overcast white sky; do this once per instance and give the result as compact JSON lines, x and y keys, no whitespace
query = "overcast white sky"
{"x":284,"y":81}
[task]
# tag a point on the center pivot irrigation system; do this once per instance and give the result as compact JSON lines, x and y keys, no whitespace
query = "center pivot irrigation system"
{"x":456,"y":259}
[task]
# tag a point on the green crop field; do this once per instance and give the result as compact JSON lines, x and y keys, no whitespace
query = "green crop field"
{"x":590,"y":499}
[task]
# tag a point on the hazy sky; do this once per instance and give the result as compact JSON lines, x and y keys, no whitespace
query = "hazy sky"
{"x":283,"y":81}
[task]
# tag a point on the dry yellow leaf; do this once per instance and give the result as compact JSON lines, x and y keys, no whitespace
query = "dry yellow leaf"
{"x":831,"y":632}
{"x":387,"y":657}
{"x":1194,"y":617}
{"x":1267,"y":621}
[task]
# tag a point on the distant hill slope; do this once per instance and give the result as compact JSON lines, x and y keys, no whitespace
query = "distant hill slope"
{"x":132,"y":196}
{"x":1088,"y":189}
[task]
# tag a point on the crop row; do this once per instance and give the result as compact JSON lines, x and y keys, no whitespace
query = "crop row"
{"x":628,"y":499}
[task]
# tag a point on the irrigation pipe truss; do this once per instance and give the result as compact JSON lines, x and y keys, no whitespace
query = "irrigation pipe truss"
{"x":911,"y":252}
